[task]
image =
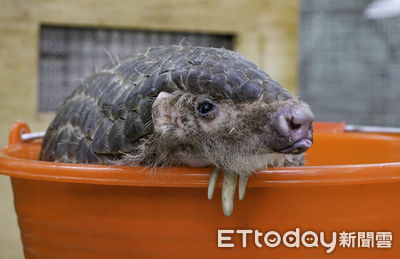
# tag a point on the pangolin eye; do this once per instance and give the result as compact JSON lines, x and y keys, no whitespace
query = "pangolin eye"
{"x":205,"y":108}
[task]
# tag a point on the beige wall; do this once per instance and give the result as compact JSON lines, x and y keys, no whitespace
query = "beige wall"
{"x":266,"y":32}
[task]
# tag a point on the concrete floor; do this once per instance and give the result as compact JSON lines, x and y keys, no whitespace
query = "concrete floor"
{"x":10,"y":241}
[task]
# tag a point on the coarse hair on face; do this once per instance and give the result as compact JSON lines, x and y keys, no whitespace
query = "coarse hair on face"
{"x":234,"y":138}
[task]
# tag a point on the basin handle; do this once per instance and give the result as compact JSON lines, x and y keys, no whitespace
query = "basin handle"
{"x":378,"y":129}
{"x":17,"y":130}
{"x":20,"y":133}
{"x":33,"y":135}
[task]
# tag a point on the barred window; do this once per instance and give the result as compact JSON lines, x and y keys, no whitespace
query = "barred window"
{"x":69,"y":54}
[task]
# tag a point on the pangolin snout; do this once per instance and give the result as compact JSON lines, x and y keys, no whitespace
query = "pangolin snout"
{"x":294,"y":125}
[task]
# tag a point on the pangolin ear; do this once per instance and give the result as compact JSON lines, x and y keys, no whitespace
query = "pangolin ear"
{"x":162,"y":111}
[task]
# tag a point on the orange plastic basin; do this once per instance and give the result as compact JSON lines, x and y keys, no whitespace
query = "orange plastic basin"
{"x":351,"y":183}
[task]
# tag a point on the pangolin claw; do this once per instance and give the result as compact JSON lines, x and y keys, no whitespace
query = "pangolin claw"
{"x":242,"y":186}
{"x":228,"y":189}
{"x":228,"y":193}
{"x":212,"y":182}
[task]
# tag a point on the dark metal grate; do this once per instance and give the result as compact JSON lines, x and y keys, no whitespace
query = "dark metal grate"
{"x":349,"y":68}
{"x":68,"y":55}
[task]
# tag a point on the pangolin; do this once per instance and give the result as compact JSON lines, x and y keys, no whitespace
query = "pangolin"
{"x":183,"y":106}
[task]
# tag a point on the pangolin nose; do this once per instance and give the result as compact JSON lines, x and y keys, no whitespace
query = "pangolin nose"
{"x":295,"y":124}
